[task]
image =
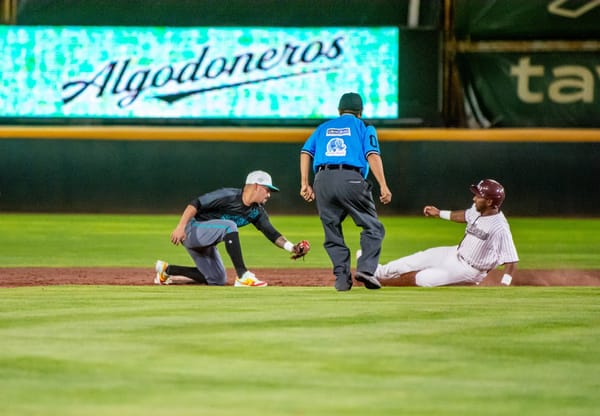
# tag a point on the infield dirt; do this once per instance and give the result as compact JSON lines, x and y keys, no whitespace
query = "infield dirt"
{"x":42,"y":276}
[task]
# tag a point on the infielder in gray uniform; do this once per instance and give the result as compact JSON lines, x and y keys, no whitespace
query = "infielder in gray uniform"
{"x":215,"y":217}
{"x":487,"y":244}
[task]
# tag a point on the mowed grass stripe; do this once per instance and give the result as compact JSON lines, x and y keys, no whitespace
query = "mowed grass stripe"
{"x":272,"y":351}
{"x":61,"y":240}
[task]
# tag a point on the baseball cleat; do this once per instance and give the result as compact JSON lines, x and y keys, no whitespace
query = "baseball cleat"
{"x":249,"y":279}
{"x":368,"y":280}
{"x":162,"y":278}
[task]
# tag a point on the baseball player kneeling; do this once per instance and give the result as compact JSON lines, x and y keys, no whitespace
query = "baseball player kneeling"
{"x":215,"y":218}
{"x":487,"y":244}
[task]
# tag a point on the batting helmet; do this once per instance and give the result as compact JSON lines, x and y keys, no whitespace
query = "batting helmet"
{"x":489,"y":189}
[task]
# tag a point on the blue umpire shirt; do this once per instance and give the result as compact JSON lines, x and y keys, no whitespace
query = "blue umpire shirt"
{"x":346,"y":140}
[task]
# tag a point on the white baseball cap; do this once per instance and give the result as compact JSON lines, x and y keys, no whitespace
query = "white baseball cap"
{"x":261,"y":178}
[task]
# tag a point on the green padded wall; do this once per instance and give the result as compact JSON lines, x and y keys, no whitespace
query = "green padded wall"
{"x":161,"y":176}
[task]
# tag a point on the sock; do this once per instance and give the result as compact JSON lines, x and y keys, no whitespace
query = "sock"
{"x":191,"y":272}
{"x":234,"y":249}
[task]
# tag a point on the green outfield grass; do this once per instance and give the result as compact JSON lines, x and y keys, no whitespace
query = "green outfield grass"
{"x":197,"y":350}
{"x":137,"y":241}
{"x":154,"y":350}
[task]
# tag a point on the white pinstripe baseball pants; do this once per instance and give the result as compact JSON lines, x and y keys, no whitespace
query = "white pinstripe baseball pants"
{"x":438,"y":266}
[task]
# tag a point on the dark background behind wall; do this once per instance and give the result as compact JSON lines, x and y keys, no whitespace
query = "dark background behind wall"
{"x":137,"y":176}
{"x":225,"y":13}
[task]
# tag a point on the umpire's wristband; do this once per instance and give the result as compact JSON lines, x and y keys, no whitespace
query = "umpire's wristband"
{"x":288,"y":246}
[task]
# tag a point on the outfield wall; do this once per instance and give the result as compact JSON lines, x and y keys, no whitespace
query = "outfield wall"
{"x":158,"y":170}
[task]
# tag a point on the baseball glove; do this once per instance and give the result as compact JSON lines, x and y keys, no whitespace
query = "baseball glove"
{"x":301,"y":249}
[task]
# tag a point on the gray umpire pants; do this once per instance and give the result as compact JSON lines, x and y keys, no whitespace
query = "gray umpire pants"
{"x":340,"y":193}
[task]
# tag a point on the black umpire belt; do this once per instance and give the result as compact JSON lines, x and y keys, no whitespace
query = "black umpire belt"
{"x":337,"y":167}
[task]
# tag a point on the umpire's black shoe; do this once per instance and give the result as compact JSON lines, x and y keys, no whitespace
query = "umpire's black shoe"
{"x":343,"y":283}
{"x":368,"y":280}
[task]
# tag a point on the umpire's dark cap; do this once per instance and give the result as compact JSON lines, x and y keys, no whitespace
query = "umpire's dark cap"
{"x":351,"y":101}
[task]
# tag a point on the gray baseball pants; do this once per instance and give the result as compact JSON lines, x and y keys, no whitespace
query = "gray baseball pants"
{"x":201,"y":239}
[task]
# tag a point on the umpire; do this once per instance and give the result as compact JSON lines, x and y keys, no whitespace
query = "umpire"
{"x":342,"y":151}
